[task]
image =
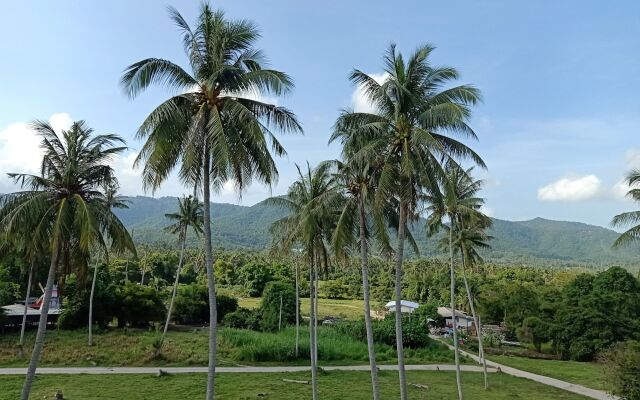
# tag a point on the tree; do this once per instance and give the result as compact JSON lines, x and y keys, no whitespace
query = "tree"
{"x":216,"y":128}
{"x":308,"y":225}
{"x":64,"y":207}
{"x":189,"y":215}
{"x":632,"y":217}
{"x":409,"y":132}
{"x":112,"y":200}
{"x":623,"y":369}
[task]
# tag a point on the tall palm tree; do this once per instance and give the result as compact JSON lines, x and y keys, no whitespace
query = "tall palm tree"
{"x":189,"y":215}
{"x":112,"y":200}
{"x":471,"y":235}
{"x":631,"y":217}
{"x":215,"y":128}
{"x":458,"y":202}
{"x":308,"y":225}
{"x":415,"y":115}
{"x":63,"y":206}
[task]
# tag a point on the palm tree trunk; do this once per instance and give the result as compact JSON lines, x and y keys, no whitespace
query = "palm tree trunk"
{"x":93,"y":290}
{"x":297,"y":273}
{"x":183,"y":236}
{"x":398,"y":293}
{"x":144,"y":271}
{"x":26,"y":307}
{"x":476,"y":319}
{"x":42,"y":325}
{"x":453,"y":312}
{"x":213,"y":312}
{"x":312,"y":326}
{"x":364,"y":261}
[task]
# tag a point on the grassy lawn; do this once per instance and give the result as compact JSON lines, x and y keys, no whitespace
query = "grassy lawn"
{"x":236,"y":347}
{"x":348,"y":309}
{"x":332,"y":386}
{"x":583,"y":373}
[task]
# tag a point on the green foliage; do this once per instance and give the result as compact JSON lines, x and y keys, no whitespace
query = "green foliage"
{"x":536,"y":331}
{"x":415,"y":332}
{"x":75,"y":312}
{"x":9,"y":289}
{"x":243,"y":318}
{"x":254,"y":277}
{"x":277,"y":294}
{"x":623,"y":369}
{"x":192,"y":304}
{"x":139,"y":305}
{"x":334,"y":289}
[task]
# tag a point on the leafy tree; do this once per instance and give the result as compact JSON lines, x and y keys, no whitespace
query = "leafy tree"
{"x":409,"y":132}
{"x":192,"y":304}
{"x":534,"y":330}
{"x":138,"y":305}
{"x":64,"y":208}
{"x":76,"y":304}
{"x":254,"y":275}
{"x":278,"y":306}
{"x":215,"y":128}
{"x":623,"y":369}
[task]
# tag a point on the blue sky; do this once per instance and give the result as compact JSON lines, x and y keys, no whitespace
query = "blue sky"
{"x":558,"y":128}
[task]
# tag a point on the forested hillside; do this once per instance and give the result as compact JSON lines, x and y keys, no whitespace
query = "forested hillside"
{"x":535,"y":242}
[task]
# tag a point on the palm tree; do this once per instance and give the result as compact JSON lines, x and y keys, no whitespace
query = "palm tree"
{"x":64,"y":207}
{"x":112,"y":200}
{"x":188,"y":215}
{"x":215,"y":128}
{"x":415,"y":114}
{"x":470,"y":236}
{"x":309,"y":225}
{"x":456,"y":200}
{"x":631,"y":217}
{"x":353,"y":197}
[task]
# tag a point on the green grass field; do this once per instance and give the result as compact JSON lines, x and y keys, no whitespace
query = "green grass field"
{"x":332,"y":386}
{"x":583,"y":373}
{"x":348,"y":309}
{"x":134,"y":348}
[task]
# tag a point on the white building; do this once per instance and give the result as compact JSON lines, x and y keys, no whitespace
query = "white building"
{"x":463,"y":321}
{"x":405,"y":306}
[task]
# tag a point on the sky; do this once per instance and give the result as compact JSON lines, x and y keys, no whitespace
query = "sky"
{"x":558,"y":126}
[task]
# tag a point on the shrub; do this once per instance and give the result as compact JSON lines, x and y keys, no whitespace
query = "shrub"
{"x":75,"y":312}
{"x":415,"y":333}
{"x":192,"y":304}
{"x":623,"y":369}
{"x":334,"y":289}
{"x":275,"y":293}
{"x":243,"y":318}
{"x":138,"y":305}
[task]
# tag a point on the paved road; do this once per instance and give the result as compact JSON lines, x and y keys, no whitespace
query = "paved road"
{"x":571,"y":387}
{"x":186,"y":370}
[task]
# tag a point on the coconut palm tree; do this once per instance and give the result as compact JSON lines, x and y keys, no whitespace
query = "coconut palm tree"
{"x":309,"y":225}
{"x":189,"y":215}
{"x":631,"y":217}
{"x":112,"y":200}
{"x":458,"y":202}
{"x":415,"y":114}
{"x":63,"y":206}
{"x":216,"y":127}
{"x":471,"y":235}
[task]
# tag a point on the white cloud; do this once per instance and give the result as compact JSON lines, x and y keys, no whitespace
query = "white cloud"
{"x":571,"y":189}
{"x":359,"y":101}
{"x":20,"y":148}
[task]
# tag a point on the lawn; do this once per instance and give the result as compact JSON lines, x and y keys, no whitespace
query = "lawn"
{"x":236,"y":347}
{"x":335,"y":385}
{"x":348,"y":309}
{"x":583,"y":373}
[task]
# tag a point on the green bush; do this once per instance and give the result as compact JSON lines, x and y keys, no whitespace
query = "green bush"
{"x":623,"y":369}
{"x":138,"y":305}
{"x":254,"y":277}
{"x":415,"y":333}
{"x":192,"y":305}
{"x":242,"y":318}
{"x":334,"y":289}
{"x":75,"y":313}
{"x":275,"y":293}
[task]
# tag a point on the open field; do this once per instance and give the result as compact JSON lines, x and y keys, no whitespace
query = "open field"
{"x":332,"y":386}
{"x":583,"y":373}
{"x":348,"y":309}
{"x":134,"y":348}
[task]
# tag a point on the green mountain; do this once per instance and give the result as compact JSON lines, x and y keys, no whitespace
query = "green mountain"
{"x":539,"y":241}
